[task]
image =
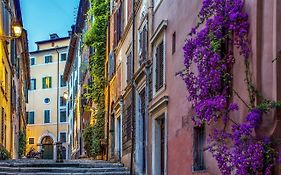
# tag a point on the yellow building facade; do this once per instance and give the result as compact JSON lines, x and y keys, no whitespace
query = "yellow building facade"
{"x":14,"y":77}
{"x":44,"y":104}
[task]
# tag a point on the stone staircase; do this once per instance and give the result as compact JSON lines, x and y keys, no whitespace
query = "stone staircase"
{"x":72,"y":167}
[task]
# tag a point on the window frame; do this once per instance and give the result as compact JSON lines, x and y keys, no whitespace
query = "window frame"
{"x":50,"y":116}
{"x":48,"y":102}
{"x":62,"y":79}
{"x":161,"y":38}
{"x":63,"y":132}
{"x":65,"y":56}
{"x":34,"y":58}
{"x":35,"y":84}
{"x":64,"y":109}
{"x":28,"y":113}
{"x":48,"y":56}
{"x":29,"y":140}
{"x":49,"y":87}
{"x":140,"y":52}
{"x":201,"y":167}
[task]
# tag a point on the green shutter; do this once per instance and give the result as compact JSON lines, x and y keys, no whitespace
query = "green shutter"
{"x":50,"y":79}
{"x":43,"y":83}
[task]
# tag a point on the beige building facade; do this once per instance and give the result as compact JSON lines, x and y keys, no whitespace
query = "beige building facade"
{"x":44,"y":104}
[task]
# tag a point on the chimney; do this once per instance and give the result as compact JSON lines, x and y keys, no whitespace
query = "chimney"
{"x":54,"y":36}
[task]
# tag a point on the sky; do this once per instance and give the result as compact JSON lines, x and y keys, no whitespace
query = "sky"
{"x":43,"y":17}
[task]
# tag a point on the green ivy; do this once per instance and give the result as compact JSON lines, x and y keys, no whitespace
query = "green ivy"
{"x":22,"y":143}
{"x":96,"y":37}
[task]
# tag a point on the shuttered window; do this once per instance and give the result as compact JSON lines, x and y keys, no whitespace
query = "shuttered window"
{"x":48,"y":59}
{"x":47,"y":82}
{"x":198,"y":148}
{"x":111,"y":68}
{"x":143,"y":45}
{"x":159,"y":66}
{"x":30,"y":117}
{"x":129,"y":67}
{"x":47,"y":116}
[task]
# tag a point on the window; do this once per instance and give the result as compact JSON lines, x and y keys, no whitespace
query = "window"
{"x":47,"y":116}
{"x":47,"y":82}
{"x":33,"y":84}
{"x":198,"y":148}
{"x":62,"y":81}
{"x":63,"y":137}
{"x":47,"y":100}
{"x":111,"y":65}
{"x":119,"y":18}
{"x":159,"y":66}
{"x":63,"y":56}
{"x":48,"y":59}
{"x":174,"y":43}
{"x":62,"y":101}
{"x":32,"y":61}
{"x":142,"y":45}
{"x":129,"y":67}
{"x":30,"y":117}
{"x":62,"y":115}
{"x":6,"y":18}
{"x":31,"y":141}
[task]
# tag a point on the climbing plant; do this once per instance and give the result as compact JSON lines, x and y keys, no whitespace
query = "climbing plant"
{"x":22,"y":143}
{"x":96,"y":38}
{"x":209,"y":60}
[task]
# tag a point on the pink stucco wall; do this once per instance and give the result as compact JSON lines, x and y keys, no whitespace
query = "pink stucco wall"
{"x":265,"y":37}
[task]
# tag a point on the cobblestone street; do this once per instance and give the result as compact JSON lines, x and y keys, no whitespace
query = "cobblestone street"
{"x":76,"y":167}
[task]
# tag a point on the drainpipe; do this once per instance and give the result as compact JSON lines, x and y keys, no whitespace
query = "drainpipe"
{"x":108,"y":94}
{"x":147,"y":71}
{"x":133,"y":86}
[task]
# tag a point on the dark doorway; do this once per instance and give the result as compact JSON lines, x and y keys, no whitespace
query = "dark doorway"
{"x":142,"y":101}
{"x":162,"y":127}
{"x":63,"y":149}
{"x":48,"y":148}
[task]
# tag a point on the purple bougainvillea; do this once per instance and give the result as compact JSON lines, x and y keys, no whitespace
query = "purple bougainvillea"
{"x":208,"y":60}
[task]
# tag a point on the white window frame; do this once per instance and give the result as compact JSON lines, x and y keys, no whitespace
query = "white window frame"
{"x":49,"y":101}
{"x":33,"y":119}
{"x":44,"y":116}
{"x":63,"y":109}
{"x":34,"y":61}
{"x":35,"y":84}
{"x":65,"y":136}
{"x":154,"y":145}
{"x":45,"y":59}
{"x":61,"y":54}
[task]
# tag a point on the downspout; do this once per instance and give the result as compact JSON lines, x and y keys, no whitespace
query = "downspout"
{"x":147,"y":72}
{"x":108,"y":93}
{"x":133,"y":86}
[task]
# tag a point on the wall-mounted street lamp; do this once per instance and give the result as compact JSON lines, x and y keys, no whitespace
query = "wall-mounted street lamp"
{"x":16,"y":31}
{"x":65,"y":95}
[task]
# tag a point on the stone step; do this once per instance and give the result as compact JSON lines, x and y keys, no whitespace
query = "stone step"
{"x":70,"y":165}
{"x":45,"y":173}
{"x":60,"y":170}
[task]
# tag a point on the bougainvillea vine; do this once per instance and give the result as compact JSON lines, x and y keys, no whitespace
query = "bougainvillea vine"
{"x":208,"y":60}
